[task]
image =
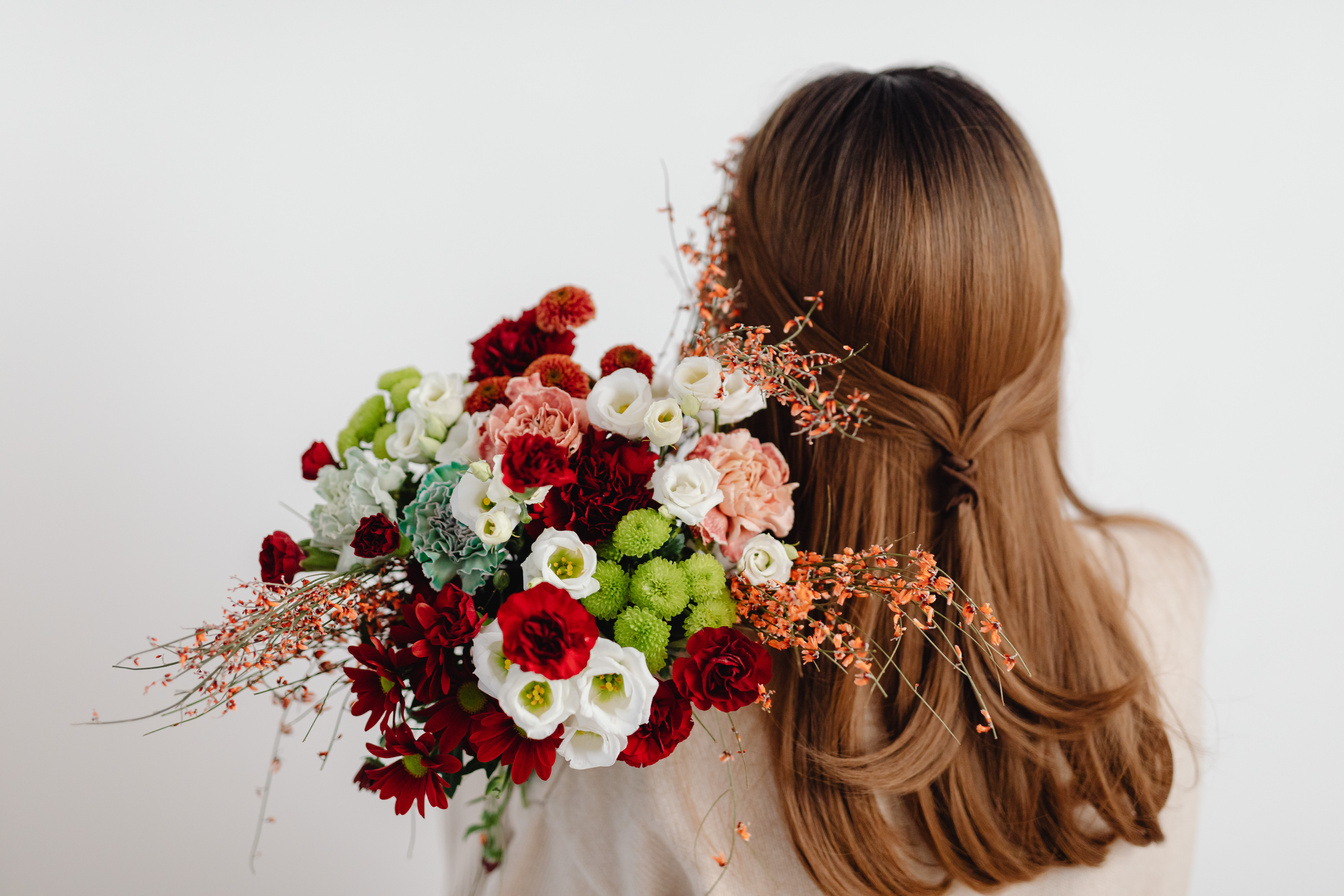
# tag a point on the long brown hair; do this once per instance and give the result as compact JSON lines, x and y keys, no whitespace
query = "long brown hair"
{"x":914,"y":201}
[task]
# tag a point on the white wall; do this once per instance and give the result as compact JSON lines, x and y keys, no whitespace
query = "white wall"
{"x":219,"y":222}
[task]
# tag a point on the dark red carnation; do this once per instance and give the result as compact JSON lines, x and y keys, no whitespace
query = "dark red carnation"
{"x":433,"y":630}
{"x":531,"y":461}
{"x":495,"y":736}
{"x":547,"y":631}
{"x":723,"y":671}
{"x":418,"y":776}
{"x":377,"y":536}
{"x":315,"y":458}
{"x":669,"y":724}
{"x":376,"y":682}
{"x":511,"y":345}
{"x":627,"y":356}
{"x":280,"y":558}
{"x":611,"y":478}
{"x":566,"y":308}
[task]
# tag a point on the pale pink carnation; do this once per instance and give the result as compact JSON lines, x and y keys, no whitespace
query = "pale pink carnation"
{"x":544,"y":410}
{"x":756,"y":492}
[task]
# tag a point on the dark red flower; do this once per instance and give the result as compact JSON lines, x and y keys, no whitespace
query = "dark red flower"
{"x":377,"y":536}
{"x":433,"y":630}
{"x":511,"y":345}
{"x":669,"y":724}
{"x":547,"y":631}
{"x":280,"y":558}
{"x":723,"y":670}
{"x":495,"y":736}
{"x":315,"y":458}
{"x":450,"y":719}
{"x":611,"y":479}
{"x":488,"y":393}
{"x":418,"y":777}
{"x":376,"y":682}
{"x":566,"y":308}
{"x":627,"y":356}
{"x":561,"y":372}
{"x":531,"y":461}
{"x":362,"y":779}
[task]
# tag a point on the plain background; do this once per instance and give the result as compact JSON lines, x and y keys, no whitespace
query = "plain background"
{"x":219,"y":222}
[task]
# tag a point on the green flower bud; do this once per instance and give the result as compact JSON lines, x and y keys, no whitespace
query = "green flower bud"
{"x":368,"y":417}
{"x":613,"y":595}
{"x":347,"y":438}
{"x":392,"y":377}
{"x":481,"y":470}
{"x":399,"y":392}
{"x":380,"y":437}
{"x":690,"y":406}
{"x":641,"y":629}
{"x":659,"y":585}
{"x":704,"y":577}
{"x":641,"y":532}
{"x":318,"y":561}
{"x":403,"y":548}
{"x":716,"y":613}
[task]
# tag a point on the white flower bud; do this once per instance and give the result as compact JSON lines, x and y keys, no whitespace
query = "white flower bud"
{"x":663,"y":422}
{"x":687,"y":489}
{"x":495,"y":526}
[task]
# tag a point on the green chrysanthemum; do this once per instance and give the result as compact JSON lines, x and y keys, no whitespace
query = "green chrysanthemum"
{"x":445,"y":547}
{"x":704,"y":578}
{"x":392,"y":377}
{"x":659,"y":585}
{"x":641,"y":532}
{"x":613,"y":594}
{"x":642,"y":629}
{"x":716,"y":613}
{"x":366,"y":419}
{"x":606,"y":551}
{"x":346,"y":439}
{"x":400,"y":392}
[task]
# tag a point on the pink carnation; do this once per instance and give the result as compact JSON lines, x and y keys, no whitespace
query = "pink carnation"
{"x":756,"y":492}
{"x":544,"y":410}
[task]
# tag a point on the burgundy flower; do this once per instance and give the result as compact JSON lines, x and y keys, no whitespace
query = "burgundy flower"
{"x":450,"y":719}
{"x":627,"y":356}
{"x":377,"y":536}
{"x":362,"y":779}
{"x":418,"y":777}
{"x":511,"y":345}
{"x":723,"y":670}
{"x":531,"y":461}
{"x":566,"y":308}
{"x":546,"y":631}
{"x":315,"y":458}
{"x":433,"y":630}
{"x":280,"y":558}
{"x":376,"y":682}
{"x":611,"y":478}
{"x":495,"y":736}
{"x":669,"y":724}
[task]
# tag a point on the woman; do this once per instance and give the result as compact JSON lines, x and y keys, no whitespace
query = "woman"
{"x":913,"y":201}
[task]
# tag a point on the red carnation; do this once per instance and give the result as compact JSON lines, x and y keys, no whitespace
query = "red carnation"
{"x":495,"y":736}
{"x":377,"y":536}
{"x":488,"y":393}
{"x":531,"y":461}
{"x":315,"y":458}
{"x":280,"y":558}
{"x":723,"y":670}
{"x":561,"y":372}
{"x":627,"y":356}
{"x":375,"y":682}
{"x":511,"y":345}
{"x":546,"y":631}
{"x":566,"y":308}
{"x":611,"y":478}
{"x":434,"y":629}
{"x":417,"y":777}
{"x":669,"y":724}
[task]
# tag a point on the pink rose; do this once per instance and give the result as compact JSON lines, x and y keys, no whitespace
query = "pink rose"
{"x":756,"y":492}
{"x":544,"y":410}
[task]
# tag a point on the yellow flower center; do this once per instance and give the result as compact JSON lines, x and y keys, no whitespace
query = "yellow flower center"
{"x":387,"y":684}
{"x":609,"y":685}
{"x":566,"y":564}
{"x":536,"y":697}
{"x":415,"y":765}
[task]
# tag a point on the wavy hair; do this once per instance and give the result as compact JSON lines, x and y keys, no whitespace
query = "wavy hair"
{"x":914,"y":201}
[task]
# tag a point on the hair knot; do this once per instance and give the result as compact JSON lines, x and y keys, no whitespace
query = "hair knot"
{"x":958,"y":480}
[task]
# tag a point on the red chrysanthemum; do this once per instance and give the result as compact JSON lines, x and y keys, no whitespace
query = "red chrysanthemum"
{"x":280,"y":558}
{"x":315,"y":458}
{"x":611,"y":479}
{"x":511,"y":345}
{"x":376,"y":682}
{"x":561,"y":372}
{"x":434,"y":629}
{"x":724,"y":671}
{"x":532,"y":461}
{"x":449,"y":720}
{"x":495,"y":736}
{"x":418,"y":776}
{"x":547,"y":631}
{"x":488,"y":393}
{"x":627,"y":356}
{"x":566,"y":308}
{"x":669,"y":724}
{"x":362,"y":779}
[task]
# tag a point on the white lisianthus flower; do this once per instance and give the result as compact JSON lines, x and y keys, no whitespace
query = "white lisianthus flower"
{"x":487,"y":655}
{"x":562,"y":559}
{"x":765,"y":559}
{"x":699,"y":378}
{"x":365,"y":487}
{"x":463,"y":441}
{"x":496,"y":525}
{"x":689,"y":489}
{"x":536,"y":704}
{"x":587,"y":745}
{"x":471,"y":501}
{"x":740,"y":401}
{"x":663,"y":422}
{"x":616,"y":688}
{"x":619,"y":401}
{"x":408,"y":442}
{"x":439,"y":395}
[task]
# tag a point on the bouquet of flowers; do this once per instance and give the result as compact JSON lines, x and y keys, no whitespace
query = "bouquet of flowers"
{"x":528,"y":563}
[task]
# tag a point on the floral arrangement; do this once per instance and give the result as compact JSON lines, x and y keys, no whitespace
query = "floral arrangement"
{"x":527,"y":563}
